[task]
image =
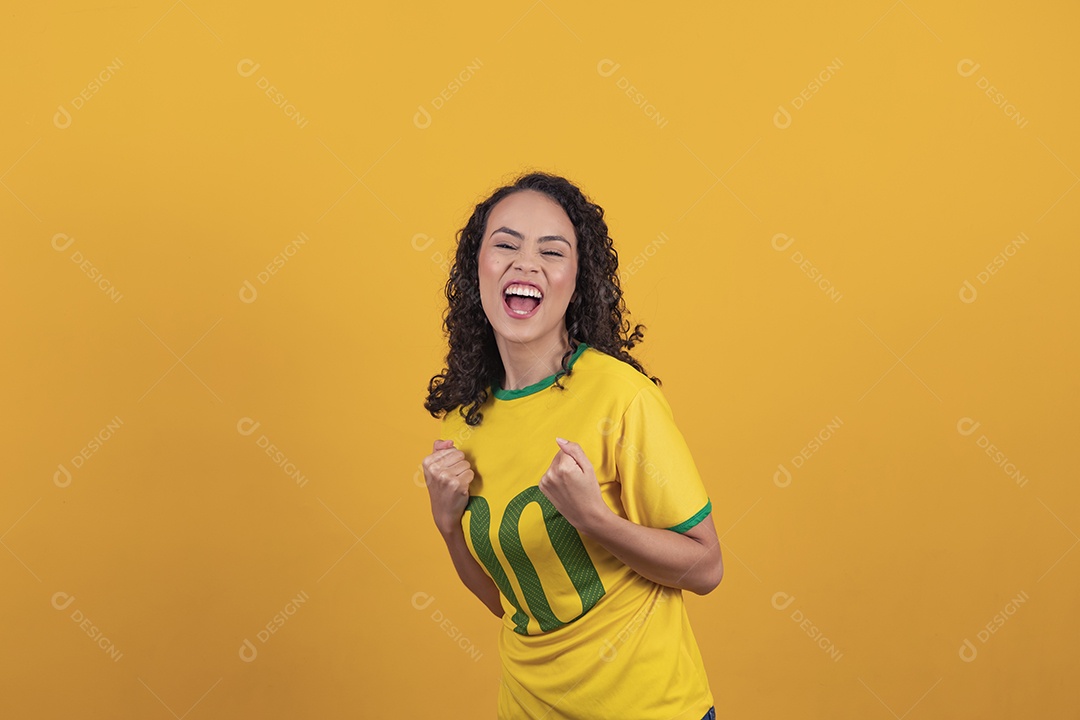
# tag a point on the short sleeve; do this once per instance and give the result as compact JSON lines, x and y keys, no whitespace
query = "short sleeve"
{"x":661,"y":487}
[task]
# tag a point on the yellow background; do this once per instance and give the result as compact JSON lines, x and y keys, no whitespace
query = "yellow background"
{"x":179,"y":180}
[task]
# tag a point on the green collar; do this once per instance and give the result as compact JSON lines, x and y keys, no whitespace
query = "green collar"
{"x":536,"y":386}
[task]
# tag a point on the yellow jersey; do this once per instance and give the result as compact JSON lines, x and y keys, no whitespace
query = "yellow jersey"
{"x":584,"y":636}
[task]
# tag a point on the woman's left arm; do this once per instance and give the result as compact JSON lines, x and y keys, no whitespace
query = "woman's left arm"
{"x":690,"y":561}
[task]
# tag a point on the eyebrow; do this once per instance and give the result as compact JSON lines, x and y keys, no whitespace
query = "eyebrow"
{"x":519,"y":236}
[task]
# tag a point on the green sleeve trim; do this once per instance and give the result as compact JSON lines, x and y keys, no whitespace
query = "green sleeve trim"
{"x":698,"y":517}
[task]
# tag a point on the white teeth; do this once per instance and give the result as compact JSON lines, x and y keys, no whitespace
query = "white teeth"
{"x":525,"y":291}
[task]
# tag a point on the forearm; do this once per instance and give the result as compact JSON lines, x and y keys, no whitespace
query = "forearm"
{"x":471,"y":573}
{"x":663,"y":556}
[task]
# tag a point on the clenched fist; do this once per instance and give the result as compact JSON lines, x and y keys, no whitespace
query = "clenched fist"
{"x":571,"y":486}
{"x":447,"y":474}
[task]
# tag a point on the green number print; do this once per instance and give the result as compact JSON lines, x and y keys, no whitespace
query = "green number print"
{"x":566,"y":542}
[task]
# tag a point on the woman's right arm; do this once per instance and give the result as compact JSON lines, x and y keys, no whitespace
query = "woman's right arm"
{"x":448,"y":474}
{"x":471,"y":573}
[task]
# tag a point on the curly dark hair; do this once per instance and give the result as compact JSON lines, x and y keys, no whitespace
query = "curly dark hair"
{"x":594,"y":315}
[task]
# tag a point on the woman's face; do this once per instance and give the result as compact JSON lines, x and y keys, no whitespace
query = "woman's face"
{"x":528,"y":238}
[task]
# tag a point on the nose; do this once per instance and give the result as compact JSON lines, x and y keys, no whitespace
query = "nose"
{"x":526,"y":260}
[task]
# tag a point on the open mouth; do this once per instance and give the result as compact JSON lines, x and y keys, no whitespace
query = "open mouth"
{"x":522,"y":301}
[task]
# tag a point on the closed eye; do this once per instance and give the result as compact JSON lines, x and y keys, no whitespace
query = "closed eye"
{"x":556,"y":253}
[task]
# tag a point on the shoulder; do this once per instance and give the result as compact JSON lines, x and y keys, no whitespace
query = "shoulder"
{"x":611,"y":368}
{"x":617,"y":377}
{"x":452,"y":426}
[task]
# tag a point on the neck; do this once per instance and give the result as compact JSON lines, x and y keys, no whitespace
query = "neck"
{"x":525,"y":363}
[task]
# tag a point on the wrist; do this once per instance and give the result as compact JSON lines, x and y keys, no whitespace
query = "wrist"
{"x":450,"y":531}
{"x":597,"y":520}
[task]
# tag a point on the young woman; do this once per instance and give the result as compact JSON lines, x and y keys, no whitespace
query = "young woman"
{"x":567,"y":496}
